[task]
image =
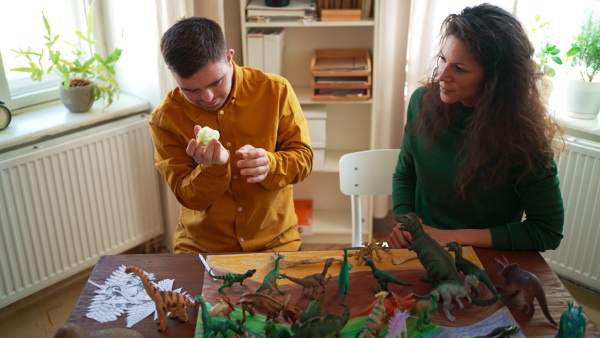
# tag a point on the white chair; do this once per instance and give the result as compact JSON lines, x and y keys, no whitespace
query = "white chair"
{"x":366,"y":173}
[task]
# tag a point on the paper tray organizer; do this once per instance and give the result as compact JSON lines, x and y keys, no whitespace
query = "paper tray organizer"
{"x":341,"y":75}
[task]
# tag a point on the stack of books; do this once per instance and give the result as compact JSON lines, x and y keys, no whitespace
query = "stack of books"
{"x":297,"y":10}
{"x":344,"y":10}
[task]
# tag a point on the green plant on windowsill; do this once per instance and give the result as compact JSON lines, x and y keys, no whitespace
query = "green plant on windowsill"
{"x":586,"y":48}
{"x":548,"y":53}
{"x":79,"y":69}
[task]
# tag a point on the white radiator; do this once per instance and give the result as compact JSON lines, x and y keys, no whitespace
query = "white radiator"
{"x":66,"y":201}
{"x":578,"y":256}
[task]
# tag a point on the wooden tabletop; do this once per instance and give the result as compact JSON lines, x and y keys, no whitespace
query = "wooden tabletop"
{"x":188,"y":272}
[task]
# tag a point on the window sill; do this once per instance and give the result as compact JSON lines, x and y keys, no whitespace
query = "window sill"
{"x":48,"y":120}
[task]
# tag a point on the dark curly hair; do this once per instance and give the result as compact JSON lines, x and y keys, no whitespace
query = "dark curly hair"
{"x":510,"y":135}
{"x":192,"y":44}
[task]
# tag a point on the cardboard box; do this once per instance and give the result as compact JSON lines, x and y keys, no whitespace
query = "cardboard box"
{"x":341,"y":14}
{"x":304,"y":212}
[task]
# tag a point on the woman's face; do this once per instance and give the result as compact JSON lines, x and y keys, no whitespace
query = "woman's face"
{"x":460,"y":76}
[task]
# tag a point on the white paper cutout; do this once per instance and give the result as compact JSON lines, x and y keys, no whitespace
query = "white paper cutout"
{"x":124,"y":292}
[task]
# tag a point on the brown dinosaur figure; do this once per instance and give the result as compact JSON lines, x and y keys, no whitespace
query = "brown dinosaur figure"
{"x":255,"y":302}
{"x":368,"y":250}
{"x":516,"y":279}
{"x":423,"y":307}
{"x":172,"y":301}
{"x":376,"y":317}
{"x":312,"y":282}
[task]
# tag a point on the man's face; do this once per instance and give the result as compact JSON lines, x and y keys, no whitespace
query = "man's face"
{"x":210,"y":86}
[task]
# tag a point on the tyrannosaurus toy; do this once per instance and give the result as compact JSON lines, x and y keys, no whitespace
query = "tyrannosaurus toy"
{"x":230,"y":278}
{"x":516,"y":279}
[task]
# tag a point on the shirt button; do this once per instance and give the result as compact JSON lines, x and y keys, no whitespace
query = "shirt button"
{"x":229,"y":144}
{"x":235,"y":177}
{"x":241,"y":239}
{"x":221,"y":112}
{"x":239,"y":208}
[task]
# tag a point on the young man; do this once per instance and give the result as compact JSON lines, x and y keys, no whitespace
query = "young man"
{"x":236,"y":191}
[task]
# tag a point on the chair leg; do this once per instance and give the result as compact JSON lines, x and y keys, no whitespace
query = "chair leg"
{"x":356,"y":221}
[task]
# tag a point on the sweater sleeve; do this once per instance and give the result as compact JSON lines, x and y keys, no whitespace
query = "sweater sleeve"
{"x":542,"y":226}
{"x":405,"y":177}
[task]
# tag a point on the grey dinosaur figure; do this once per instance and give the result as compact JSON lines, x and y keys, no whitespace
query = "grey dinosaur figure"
{"x":516,"y":279}
{"x":467,"y":267}
{"x":383,"y":277}
{"x":450,"y":290}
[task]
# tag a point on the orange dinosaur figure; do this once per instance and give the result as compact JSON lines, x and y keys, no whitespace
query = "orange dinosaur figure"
{"x":402,"y":303}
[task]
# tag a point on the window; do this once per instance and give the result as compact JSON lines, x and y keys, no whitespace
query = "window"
{"x":23,"y":27}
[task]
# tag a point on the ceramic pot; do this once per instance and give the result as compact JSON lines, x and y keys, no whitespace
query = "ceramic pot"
{"x":583,"y":99}
{"x":77,"y":99}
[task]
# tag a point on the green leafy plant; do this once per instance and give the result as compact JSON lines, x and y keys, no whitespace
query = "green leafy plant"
{"x":81,"y":68}
{"x":586,"y":48}
{"x":547,"y":53}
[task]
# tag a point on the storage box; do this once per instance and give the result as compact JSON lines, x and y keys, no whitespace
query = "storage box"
{"x":341,"y":75}
{"x":316,"y":117}
{"x":265,"y":49}
{"x":341,"y":14}
{"x":318,"y":159}
{"x":304,"y":212}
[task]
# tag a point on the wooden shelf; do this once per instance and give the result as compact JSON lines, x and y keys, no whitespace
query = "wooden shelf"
{"x":360,"y":23}
{"x":304,"y":94}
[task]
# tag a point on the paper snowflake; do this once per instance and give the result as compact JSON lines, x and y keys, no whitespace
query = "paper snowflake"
{"x":124,"y":292}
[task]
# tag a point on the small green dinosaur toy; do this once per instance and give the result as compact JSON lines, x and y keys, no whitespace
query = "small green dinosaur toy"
{"x":214,"y":325}
{"x":383,"y":277}
{"x":467,"y":267}
{"x":313,"y":324}
{"x":230,"y":278}
{"x":271,"y":331}
{"x":344,"y":277}
{"x":422,"y":309}
{"x":270,"y":280}
{"x":450,"y":290}
{"x":572,"y":322}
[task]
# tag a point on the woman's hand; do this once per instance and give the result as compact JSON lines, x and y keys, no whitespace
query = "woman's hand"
{"x":475,"y":237}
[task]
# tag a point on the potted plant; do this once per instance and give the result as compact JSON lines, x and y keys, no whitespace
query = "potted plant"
{"x":547,"y":56}
{"x":87,"y":77}
{"x":583,"y":93}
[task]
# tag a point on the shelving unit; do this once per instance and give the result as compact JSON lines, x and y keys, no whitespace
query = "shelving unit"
{"x":349,"y":123}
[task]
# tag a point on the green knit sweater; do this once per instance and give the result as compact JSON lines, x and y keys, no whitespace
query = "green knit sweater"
{"x":424,"y":184}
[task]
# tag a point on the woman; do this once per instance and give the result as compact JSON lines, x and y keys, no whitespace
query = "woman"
{"x":478,"y":148}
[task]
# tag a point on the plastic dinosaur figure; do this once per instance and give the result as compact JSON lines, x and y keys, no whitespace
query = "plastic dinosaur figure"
{"x":438,"y":262}
{"x":376,"y":318}
{"x":397,"y":325}
{"x":230,"y":278}
{"x":572,"y":322}
{"x":271,"y":331}
{"x":313,"y":324}
{"x":172,"y":301}
{"x":423,"y":307}
{"x":253,"y":302}
{"x":383,"y":277}
{"x":467,"y":267}
{"x":367,"y":251}
{"x":450,"y":290}
{"x":215,"y":325}
{"x":223,"y":308}
{"x":344,"y":277}
{"x":311,"y":283}
{"x":391,"y":305}
{"x":516,"y":279}
{"x":270,"y":281}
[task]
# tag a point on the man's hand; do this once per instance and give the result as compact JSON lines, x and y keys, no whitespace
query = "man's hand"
{"x":213,"y":154}
{"x":254,"y":163}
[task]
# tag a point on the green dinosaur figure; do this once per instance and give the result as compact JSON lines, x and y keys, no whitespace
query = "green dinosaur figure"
{"x":436,"y":260}
{"x":271,"y":331}
{"x":312,"y":324}
{"x":215,"y":325}
{"x":344,"y":277}
{"x":467,"y":267}
{"x":383,"y":277}
{"x":450,"y":290}
{"x":572,"y":322}
{"x":270,"y":281}
{"x":230,"y":278}
{"x":423,"y":307}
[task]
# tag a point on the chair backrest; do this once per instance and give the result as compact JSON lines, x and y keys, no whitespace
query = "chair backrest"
{"x":368,"y":172}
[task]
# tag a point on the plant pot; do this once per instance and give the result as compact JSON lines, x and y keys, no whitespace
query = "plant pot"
{"x":77,"y":99}
{"x":583,"y":99}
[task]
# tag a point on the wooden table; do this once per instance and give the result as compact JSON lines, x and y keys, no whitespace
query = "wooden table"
{"x":188,"y":272}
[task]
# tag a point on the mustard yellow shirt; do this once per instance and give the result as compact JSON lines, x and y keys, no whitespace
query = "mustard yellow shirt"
{"x":220,"y":211}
